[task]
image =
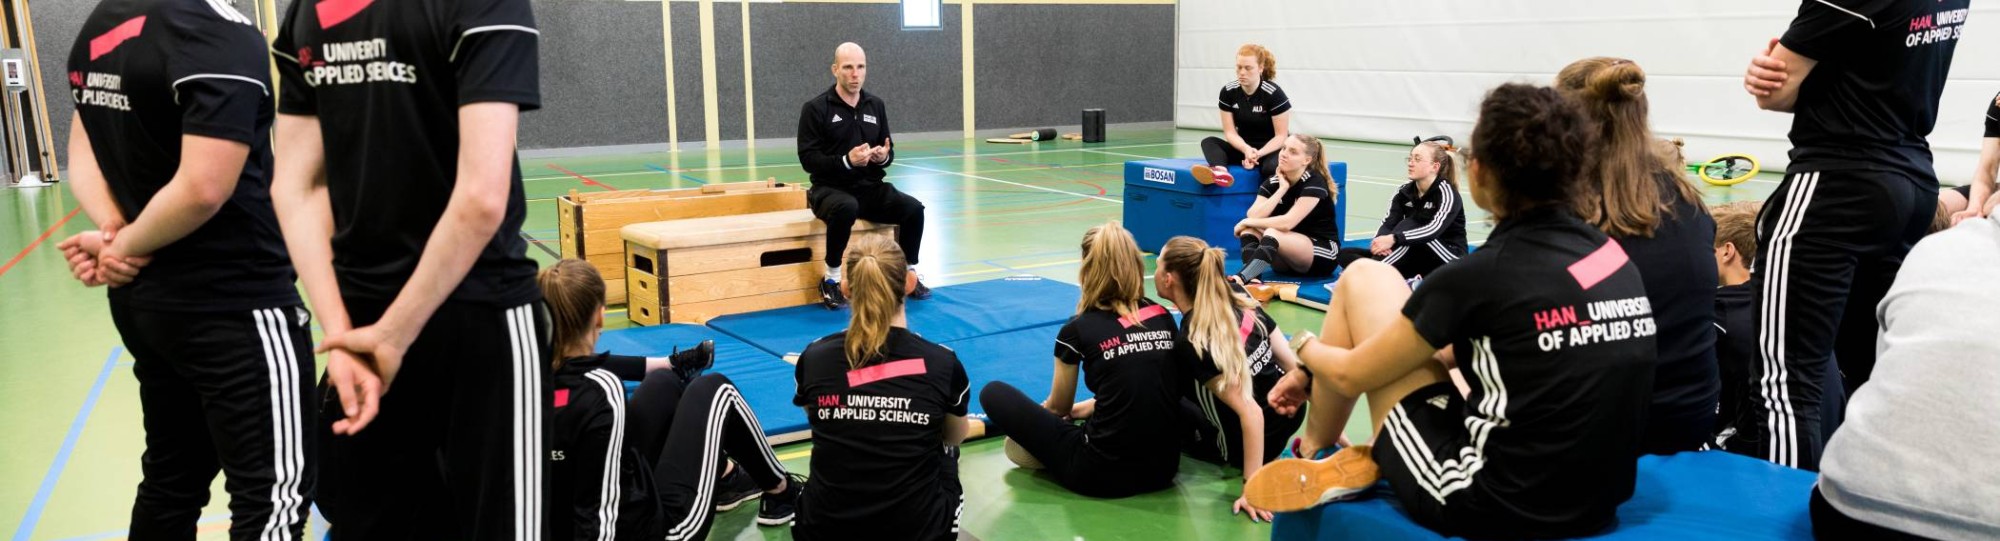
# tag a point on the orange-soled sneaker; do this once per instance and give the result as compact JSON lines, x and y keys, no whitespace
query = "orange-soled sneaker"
{"x":1297,"y":484}
{"x":1222,"y":177}
{"x":1203,"y":174}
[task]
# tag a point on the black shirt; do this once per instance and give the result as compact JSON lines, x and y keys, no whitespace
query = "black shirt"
{"x":1993,"y":118}
{"x":1253,"y":112}
{"x":880,"y":466}
{"x":1677,"y":265}
{"x":1254,"y":329}
{"x":1559,"y":360}
{"x":1735,"y":349}
{"x":1416,"y":218}
{"x":386,"y":80}
{"x":1873,"y":96}
{"x":1129,"y":365}
{"x":828,"y":128}
{"x":1319,"y":224}
{"x":144,"y":73}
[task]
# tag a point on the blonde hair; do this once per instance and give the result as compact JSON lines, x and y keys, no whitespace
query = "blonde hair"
{"x":1211,"y":319}
{"x":1625,"y":198}
{"x":1318,"y":164}
{"x":876,"y":272}
{"x":1113,"y":275}
{"x":574,"y":292}
{"x":1264,"y":59}
{"x":1736,"y":223}
{"x":1446,"y":157}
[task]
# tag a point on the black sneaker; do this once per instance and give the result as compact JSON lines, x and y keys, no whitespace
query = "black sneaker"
{"x":778,"y":509}
{"x":734,"y":489}
{"x":922,"y":292}
{"x":829,"y":295}
{"x":691,"y":363}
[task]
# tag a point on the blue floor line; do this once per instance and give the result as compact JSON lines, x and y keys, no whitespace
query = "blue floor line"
{"x":41,"y":501}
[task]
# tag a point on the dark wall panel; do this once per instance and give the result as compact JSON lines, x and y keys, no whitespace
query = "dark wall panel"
{"x":602,"y":76}
{"x":1041,"y":65}
{"x":917,"y":72}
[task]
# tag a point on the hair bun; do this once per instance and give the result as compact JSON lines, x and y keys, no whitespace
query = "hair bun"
{"x":1621,"y":80}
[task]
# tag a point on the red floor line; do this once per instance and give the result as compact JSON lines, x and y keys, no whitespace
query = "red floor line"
{"x":586,"y":180}
{"x":38,"y":241}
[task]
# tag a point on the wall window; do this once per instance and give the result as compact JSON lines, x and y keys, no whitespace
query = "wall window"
{"x":921,"y":14}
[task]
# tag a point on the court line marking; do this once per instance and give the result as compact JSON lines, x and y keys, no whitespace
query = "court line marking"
{"x":61,"y":462}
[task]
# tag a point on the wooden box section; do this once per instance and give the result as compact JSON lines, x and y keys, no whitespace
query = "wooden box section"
{"x":692,"y":270}
{"x":588,"y":223}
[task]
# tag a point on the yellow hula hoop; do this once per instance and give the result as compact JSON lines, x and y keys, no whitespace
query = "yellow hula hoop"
{"x":1702,"y":170}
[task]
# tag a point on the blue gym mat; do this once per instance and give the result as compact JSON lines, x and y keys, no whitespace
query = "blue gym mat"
{"x":764,"y":379}
{"x":953,"y":312}
{"x":1023,"y":358}
{"x":1705,"y":495}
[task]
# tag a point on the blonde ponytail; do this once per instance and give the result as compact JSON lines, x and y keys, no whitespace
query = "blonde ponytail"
{"x":876,"y":272}
{"x":1213,"y":327}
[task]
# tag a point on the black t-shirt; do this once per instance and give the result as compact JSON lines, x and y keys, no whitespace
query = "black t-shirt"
{"x":1873,"y":96}
{"x":1253,"y":112}
{"x":1254,"y":329}
{"x":879,"y":461}
{"x":1677,"y":265}
{"x":1560,"y":362}
{"x":828,"y":128}
{"x":143,"y":73}
{"x":1993,"y":117}
{"x":386,"y":80}
{"x":1320,"y":224}
{"x":1129,"y":365}
{"x":1735,"y":350}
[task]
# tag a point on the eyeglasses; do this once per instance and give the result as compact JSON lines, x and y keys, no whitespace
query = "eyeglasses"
{"x":1414,"y":159}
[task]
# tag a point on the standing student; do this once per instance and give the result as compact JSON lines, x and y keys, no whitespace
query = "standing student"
{"x":1736,"y":321}
{"x":1862,"y":80}
{"x":844,"y":145}
{"x":887,"y":410}
{"x":1124,"y":344}
{"x":400,"y":195}
{"x":1648,"y":207}
{"x":1291,"y":225}
{"x":170,"y":156}
{"x":1425,"y":225}
{"x":651,"y":467}
{"x":1545,"y":443}
{"x":1256,"y":118}
{"x":1230,"y":353}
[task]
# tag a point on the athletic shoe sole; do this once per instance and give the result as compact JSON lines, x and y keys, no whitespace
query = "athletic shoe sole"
{"x":747,"y":498}
{"x":787,"y":519}
{"x":1296,"y":484}
{"x":1203,"y":174}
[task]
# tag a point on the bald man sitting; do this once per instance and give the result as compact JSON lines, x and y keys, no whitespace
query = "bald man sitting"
{"x":844,"y":144}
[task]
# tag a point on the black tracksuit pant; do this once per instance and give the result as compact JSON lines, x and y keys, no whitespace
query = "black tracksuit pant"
{"x":685,"y":431}
{"x":876,"y":202}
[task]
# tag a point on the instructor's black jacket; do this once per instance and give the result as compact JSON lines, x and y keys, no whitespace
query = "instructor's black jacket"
{"x":828,"y":128}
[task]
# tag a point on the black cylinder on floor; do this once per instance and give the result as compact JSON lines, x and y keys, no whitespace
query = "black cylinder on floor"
{"x":1093,"y":125}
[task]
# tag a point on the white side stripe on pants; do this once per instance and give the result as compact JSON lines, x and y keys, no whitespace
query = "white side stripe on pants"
{"x":527,"y":423}
{"x":287,"y":445}
{"x":1775,"y":386}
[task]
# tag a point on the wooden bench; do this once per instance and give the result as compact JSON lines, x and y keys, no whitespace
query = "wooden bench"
{"x":589,"y":222}
{"x":692,"y":270}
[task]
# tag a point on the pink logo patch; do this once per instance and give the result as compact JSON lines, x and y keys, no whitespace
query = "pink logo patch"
{"x":562,"y":397}
{"x":333,"y":12}
{"x":1142,"y":315}
{"x":1601,"y":264}
{"x":118,"y":35}
{"x":897,"y":369}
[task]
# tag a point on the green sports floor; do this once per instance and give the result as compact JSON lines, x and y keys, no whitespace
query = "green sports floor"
{"x":69,"y":407}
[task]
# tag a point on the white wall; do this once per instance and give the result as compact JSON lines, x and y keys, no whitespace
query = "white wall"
{"x":1386,"y":70}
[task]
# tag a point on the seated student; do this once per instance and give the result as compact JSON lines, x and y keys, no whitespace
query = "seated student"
{"x":647,"y":468}
{"x":1124,"y":343}
{"x":1736,"y":324}
{"x":1647,"y":205}
{"x":1558,"y":355}
{"x":1291,"y":225}
{"x":1256,"y":116}
{"x":887,"y":410}
{"x":1425,"y":226}
{"x":1915,"y":458}
{"x":1234,"y":353}
{"x":1969,"y":201}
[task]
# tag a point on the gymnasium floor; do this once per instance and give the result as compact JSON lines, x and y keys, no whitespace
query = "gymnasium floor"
{"x":69,"y":407}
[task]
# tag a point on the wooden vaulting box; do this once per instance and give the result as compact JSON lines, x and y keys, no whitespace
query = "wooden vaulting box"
{"x":589,"y":222}
{"x":692,"y":270}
